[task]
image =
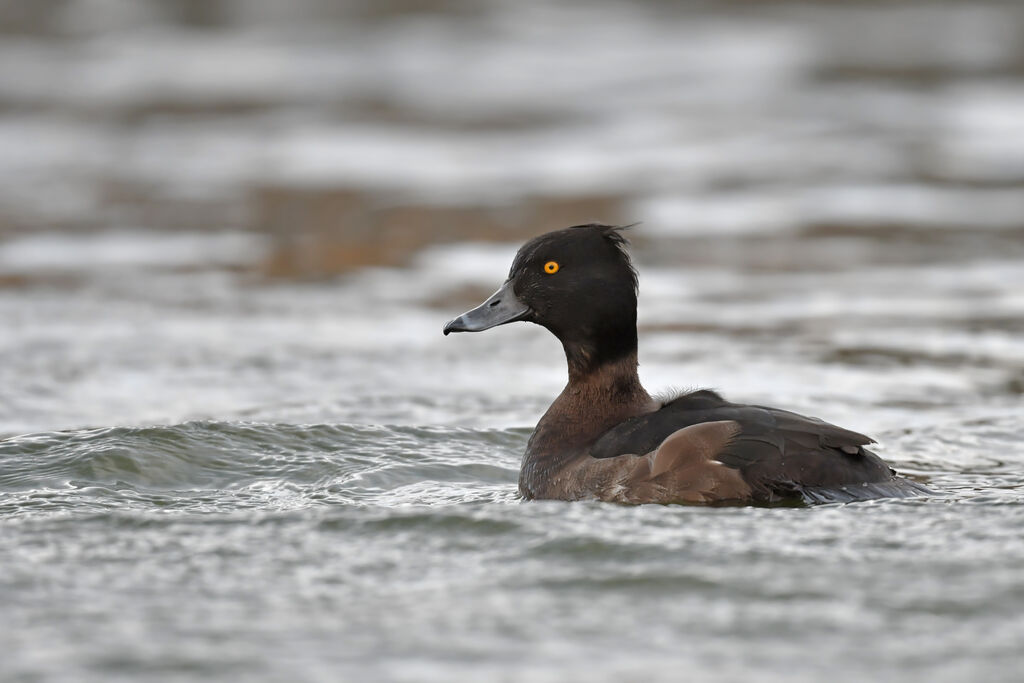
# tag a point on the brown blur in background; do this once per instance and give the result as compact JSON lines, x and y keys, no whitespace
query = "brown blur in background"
{"x":354,"y":133}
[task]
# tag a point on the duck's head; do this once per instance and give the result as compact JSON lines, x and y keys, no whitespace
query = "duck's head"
{"x":579,"y":284}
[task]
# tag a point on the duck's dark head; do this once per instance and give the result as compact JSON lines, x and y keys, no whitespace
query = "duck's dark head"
{"x":578,"y":283}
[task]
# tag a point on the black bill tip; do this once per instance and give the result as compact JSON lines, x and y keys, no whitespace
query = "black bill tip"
{"x":453,"y":326}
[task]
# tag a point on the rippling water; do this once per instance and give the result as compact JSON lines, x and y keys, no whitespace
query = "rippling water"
{"x":234,"y":444}
{"x":284,"y":551}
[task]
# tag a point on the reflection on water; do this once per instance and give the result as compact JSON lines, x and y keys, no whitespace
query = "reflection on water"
{"x":248,"y":221}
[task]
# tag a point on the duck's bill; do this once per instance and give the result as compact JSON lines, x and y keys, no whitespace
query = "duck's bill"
{"x":503,"y":307}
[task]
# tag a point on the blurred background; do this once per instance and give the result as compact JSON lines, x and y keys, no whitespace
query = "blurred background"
{"x":245,"y":207}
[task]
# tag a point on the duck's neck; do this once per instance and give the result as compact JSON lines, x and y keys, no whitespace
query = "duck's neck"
{"x":597,"y":398}
{"x":611,"y":361}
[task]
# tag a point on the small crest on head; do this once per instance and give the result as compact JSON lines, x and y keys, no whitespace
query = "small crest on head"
{"x":612,"y":233}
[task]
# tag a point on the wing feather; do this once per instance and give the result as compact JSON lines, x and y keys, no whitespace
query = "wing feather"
{"x":780,"y":454}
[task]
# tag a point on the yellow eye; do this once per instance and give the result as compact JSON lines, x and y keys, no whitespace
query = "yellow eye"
{"x":551,"y":267}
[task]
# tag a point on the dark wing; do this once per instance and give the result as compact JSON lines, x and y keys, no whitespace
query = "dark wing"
{"x":781,"y":455}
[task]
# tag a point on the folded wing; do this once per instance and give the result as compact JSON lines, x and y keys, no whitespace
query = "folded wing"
{"x":779,"y":455}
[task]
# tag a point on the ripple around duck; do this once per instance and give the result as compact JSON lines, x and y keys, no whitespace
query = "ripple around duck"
{"x":217,"y":465}
{"x":224,"y":466}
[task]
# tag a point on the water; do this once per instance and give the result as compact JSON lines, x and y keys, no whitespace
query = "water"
{"x":234,"y":444}
{"x":284,"y":552}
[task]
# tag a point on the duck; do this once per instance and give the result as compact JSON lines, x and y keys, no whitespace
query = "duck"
{"x":605,"y":438}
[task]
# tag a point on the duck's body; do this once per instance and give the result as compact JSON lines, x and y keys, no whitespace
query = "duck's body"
{"x":694,"y":448}
{"x":605,"y":438}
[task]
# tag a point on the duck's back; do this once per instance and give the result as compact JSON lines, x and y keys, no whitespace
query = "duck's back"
{"x":780,"y":455}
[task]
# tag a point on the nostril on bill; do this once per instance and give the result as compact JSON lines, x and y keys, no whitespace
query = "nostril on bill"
{"x":495,"y":303}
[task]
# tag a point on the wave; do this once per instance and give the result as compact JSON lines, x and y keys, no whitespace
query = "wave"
{"x":228,"y":465}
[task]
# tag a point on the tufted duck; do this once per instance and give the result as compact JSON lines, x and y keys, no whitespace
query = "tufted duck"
{"x":605,"y":438}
